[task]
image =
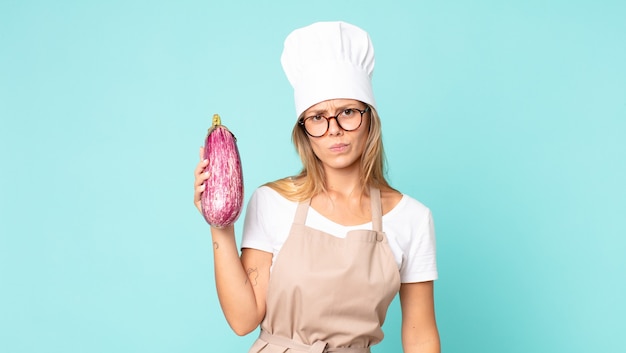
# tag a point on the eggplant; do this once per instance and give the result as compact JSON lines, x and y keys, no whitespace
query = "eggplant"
{"x":222,"y":198}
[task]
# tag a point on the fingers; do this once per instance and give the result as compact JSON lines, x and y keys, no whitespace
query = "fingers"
{"x":199,"y":173}
{"x":200,"y":168}
{"x":199,"y":185}
{"x":198,"y":193}
{"x":200,"y":177}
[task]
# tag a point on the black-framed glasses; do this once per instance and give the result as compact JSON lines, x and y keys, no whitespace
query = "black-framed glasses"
{"x":348,"y":119}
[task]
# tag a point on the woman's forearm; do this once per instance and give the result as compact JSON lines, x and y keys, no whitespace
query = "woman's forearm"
{"x":234,"y":288}
{"x":429,"y":346}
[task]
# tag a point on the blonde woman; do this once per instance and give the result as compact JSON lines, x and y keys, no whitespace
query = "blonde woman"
{"x":324,"y":252}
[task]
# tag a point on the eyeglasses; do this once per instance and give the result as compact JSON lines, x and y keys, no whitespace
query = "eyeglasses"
{"x":348,"y":119}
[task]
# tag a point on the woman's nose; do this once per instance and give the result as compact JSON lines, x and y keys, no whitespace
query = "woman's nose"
{"x":333,"y":127}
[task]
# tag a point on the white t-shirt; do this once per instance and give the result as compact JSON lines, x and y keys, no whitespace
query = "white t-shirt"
{"x":408,"y":226}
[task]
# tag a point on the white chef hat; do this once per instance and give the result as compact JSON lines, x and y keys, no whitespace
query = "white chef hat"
{"x":329,"y":60}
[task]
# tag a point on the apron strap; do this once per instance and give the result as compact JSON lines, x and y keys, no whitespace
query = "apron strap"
{"x":301,"y":212}
{"x":377,"y":212}
{"x":317,"y":347}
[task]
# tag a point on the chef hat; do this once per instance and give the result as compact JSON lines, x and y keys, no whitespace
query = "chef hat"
{"x":329,"y":60}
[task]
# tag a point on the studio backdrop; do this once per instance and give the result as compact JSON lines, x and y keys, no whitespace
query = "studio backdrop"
{"x":506,"y":118}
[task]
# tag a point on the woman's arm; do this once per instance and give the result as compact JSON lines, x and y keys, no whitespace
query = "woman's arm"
{"x":419,"y":327}
{"x":241,"y":282}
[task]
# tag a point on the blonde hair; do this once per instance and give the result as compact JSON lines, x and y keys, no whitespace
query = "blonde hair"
{"x":311,"y":180}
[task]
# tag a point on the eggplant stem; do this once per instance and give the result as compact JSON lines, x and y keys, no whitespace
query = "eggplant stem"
{"x":217,"y":120}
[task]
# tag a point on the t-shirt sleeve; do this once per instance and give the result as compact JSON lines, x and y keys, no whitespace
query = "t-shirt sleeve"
{"x":420,"y":262}
{"x":255,"y":234}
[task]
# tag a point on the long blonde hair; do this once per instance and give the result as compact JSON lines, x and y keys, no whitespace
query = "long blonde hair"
{"x":311,"y":180}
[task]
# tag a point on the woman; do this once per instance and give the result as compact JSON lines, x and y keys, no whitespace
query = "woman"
{"x":325,"y":252}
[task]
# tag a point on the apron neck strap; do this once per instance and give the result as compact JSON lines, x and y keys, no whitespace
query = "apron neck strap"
{"x":301,"y":211}
{"x":376,"y":207}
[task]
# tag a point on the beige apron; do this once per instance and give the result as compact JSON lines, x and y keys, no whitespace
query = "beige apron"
{"x":329,"y":294}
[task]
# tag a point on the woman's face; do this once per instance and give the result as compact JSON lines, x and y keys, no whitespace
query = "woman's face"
{"x":338,"y":148}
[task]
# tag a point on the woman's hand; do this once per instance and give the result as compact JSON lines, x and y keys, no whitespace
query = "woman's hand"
{"x":200,"y":178}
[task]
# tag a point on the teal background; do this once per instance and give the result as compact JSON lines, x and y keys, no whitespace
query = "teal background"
{"x":506,"y":118}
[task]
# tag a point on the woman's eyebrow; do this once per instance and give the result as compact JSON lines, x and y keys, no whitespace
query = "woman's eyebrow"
{"x":327,"y":112}
{"x":317,"y":112}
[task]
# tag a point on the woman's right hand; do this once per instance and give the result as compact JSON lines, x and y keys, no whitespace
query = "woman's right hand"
{"x":200,"y":177}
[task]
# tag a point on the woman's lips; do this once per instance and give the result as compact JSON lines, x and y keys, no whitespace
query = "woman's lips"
{"x":339,"y":147}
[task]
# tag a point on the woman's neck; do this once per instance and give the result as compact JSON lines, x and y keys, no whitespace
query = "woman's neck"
{"x":343,"y":202}
{"x":343,"y":183}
